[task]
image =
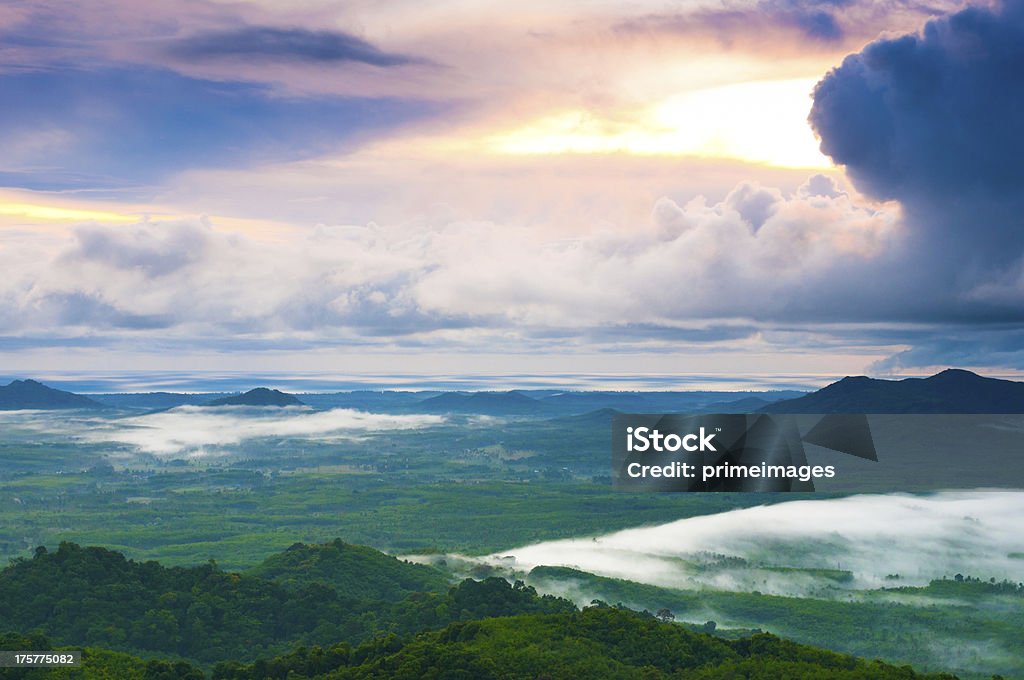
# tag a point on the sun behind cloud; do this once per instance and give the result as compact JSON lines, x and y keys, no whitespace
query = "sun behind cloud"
{"x":761,"y":122}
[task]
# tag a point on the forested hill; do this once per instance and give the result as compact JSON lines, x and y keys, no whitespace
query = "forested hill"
{"x":204,"y":622}
{"x":352,"y":570}
{"x":94,"y":596}
{"x":597,"y":642}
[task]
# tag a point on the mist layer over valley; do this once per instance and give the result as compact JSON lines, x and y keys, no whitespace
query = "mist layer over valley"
{"x":197,"y":431}
{"x":799,"y":547}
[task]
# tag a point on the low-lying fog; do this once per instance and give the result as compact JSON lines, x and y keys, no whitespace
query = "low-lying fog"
{"x":201,"y":430}
{"x":917,"y":537}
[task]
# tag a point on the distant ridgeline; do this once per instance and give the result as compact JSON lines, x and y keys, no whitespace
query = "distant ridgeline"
{"x":342,"y":611}
{"x":33,"y":395}
{"x":951,"y":391}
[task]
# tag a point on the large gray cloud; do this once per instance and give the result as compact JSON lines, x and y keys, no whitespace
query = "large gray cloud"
{"x":933,"y":120}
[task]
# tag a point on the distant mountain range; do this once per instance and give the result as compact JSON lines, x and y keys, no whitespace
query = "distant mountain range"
{"x":29,"y":394}
{"x":951,"y":391}
{"x":261,"y":396}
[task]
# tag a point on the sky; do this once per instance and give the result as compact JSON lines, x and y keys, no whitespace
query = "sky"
{"x":661,"y":187}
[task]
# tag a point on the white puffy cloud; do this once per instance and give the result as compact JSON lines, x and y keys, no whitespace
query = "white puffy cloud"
{"x":757,"y":254}
{"x":748,"y":256}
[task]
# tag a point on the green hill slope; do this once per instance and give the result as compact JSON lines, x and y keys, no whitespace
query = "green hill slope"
{"x":94,"y":596}
{"x":351,"y":570}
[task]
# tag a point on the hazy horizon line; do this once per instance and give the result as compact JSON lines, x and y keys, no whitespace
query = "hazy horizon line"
{"x":202,"y":381}
{"x":112,"y":382}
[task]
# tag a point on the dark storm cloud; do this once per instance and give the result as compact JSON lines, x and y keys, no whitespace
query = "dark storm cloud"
{"x":936,"y":111}
{"x":286,"y":44}
{"x":934,"y":121}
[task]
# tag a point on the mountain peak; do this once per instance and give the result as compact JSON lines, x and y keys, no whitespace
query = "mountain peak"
{"x":957,"y":371}
{"x":260,"y":396}
{"x":32,"y":394}
{"x":958,"y":374}
{"x":853,"y":380}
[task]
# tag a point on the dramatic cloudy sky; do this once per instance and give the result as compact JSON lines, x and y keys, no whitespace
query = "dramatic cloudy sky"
{"x":813,"y":187}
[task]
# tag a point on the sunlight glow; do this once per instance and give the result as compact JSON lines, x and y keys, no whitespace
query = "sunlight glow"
{"x":759,"y":122}
{"x":50,"y":213}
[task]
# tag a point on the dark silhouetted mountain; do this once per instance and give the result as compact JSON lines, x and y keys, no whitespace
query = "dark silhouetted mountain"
{"x":485,"y":403}
{"x":261,"y":396}
{"x":951,"y":391}
{"x":29,"y":394}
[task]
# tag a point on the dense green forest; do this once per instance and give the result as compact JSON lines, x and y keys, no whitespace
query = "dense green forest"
{"x":143,"y":620}
{"x":98,"y":597}
{"x":96,"y":663}
{"x":597,"y":642}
